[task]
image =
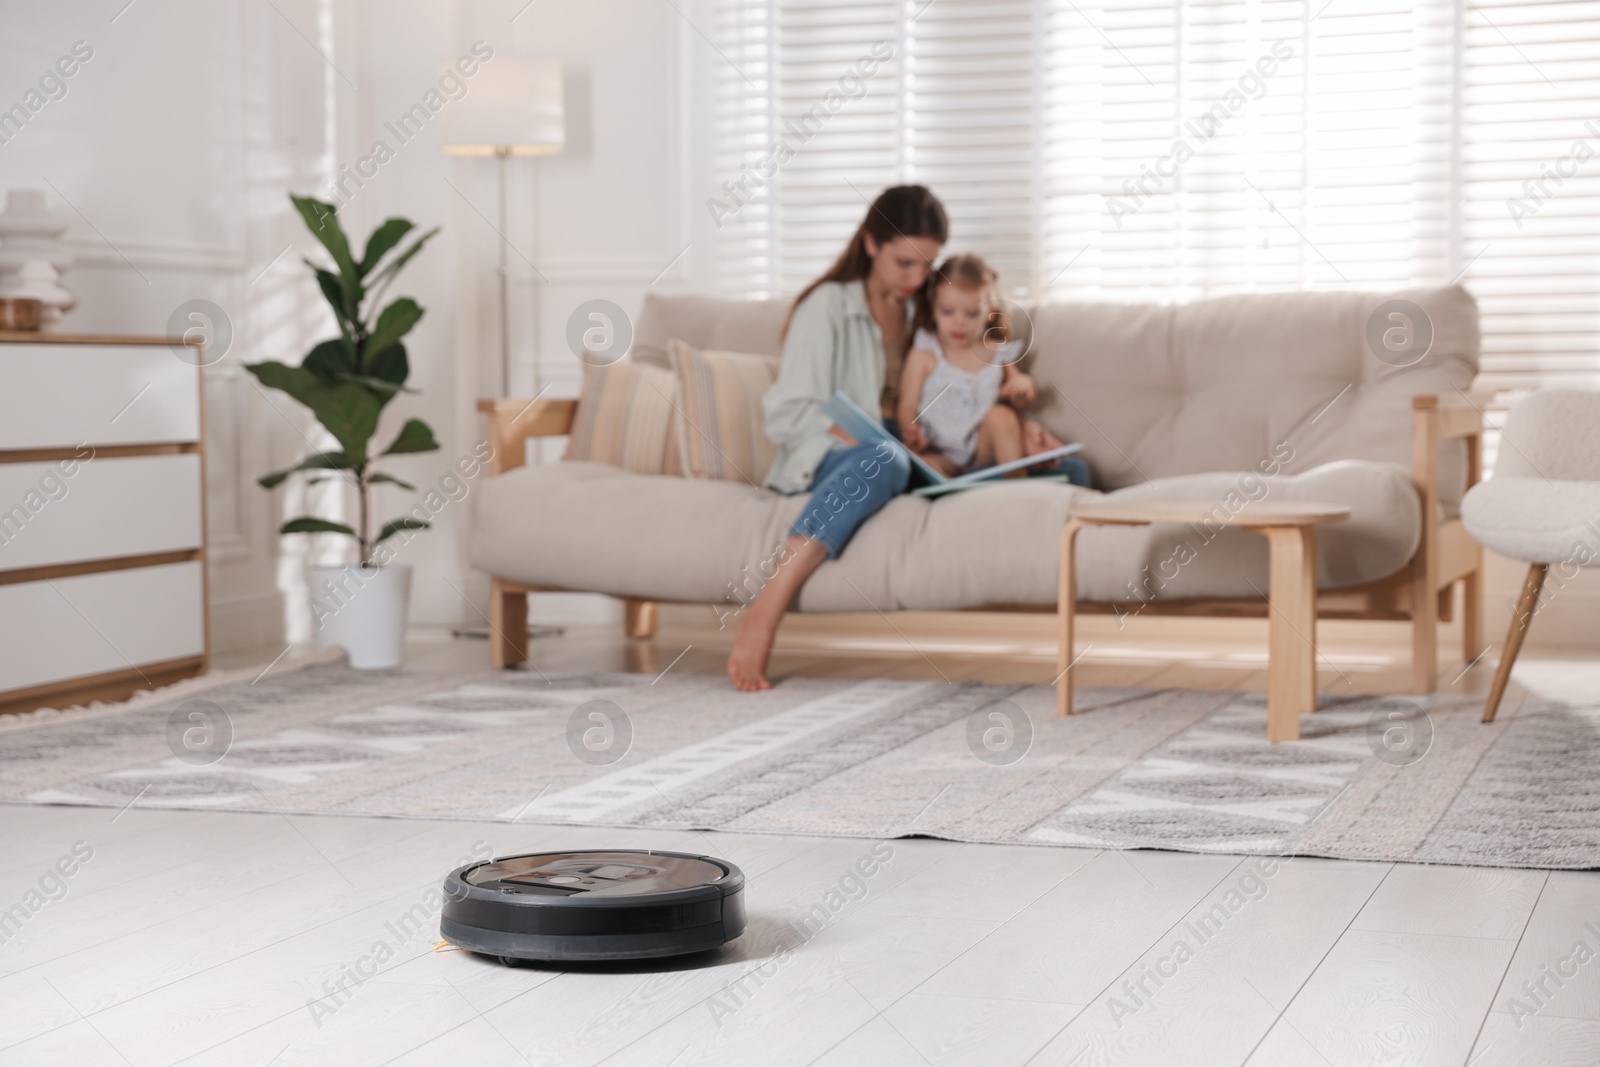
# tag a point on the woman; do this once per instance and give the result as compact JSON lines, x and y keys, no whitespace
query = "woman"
{"x":848,"y":332}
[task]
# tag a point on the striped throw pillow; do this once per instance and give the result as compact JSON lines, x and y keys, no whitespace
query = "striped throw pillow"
{"x":720,"y":434}
{"x":625,"y":418}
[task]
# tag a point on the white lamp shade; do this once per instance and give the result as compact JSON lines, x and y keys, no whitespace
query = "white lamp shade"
{"x":512,"y":105}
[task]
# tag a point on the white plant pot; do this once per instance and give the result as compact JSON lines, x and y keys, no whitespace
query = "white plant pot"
{"x":363,"y":610}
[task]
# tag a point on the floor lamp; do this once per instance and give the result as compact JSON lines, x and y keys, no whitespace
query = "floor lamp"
{"x":512,"y":107}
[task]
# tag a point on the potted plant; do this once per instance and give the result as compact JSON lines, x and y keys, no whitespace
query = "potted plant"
{"x":347,"y":381}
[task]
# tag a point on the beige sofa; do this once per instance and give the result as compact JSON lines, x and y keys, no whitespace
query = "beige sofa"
{"x":1240,"y":398}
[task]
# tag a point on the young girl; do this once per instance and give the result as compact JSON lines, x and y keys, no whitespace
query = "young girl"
{"x":961,"y":389}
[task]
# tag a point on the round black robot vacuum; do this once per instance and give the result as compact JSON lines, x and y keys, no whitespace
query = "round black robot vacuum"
{"x":613,"y":904}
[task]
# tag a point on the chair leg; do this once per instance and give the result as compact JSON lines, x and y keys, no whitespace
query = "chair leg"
{"x":639,"y":617}
{"x":1526,"y":605}
{"x":508,"y":624}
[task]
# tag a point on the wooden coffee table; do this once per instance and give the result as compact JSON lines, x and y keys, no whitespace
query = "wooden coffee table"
{"x":1290,"y":530}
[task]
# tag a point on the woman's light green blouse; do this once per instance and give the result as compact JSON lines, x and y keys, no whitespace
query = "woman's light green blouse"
{"x":834,"y":344}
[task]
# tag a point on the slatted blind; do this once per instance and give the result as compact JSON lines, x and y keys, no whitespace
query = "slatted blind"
{"x":1530,"y":176}
{"x":1172,"y":149}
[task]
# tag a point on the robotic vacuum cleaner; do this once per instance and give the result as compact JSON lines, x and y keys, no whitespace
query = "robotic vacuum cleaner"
{"x":615,"y":904}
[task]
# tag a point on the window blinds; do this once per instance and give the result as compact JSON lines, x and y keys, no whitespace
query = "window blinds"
{"x":1137,"y":149}
{"x":1530,"y":179}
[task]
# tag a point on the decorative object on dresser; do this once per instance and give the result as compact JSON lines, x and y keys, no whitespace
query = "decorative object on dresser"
{"x":20,"y":313}
{"x":102,"y":518}
{"x":38,"y":281}
{"x":30,"y":239}
{"x":346,"y":382}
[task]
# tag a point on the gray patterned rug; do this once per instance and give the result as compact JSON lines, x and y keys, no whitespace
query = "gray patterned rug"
{"x":1395,"y":778}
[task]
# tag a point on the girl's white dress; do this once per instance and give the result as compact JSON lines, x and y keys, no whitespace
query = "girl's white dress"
{"x":954,"y":401}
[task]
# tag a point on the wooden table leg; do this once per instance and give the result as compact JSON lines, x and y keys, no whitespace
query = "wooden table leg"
{"x":1066,"y":606}
{"x":1292,"y":649}
{"x":508,"y":624}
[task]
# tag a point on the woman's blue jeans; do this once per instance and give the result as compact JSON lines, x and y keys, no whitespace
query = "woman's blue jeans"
{"x":850,"y":486}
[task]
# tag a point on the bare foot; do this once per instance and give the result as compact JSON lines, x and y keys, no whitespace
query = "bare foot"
{"x":940,"y":462}
{"x":752,"y":646}
{"x":1036,"y":439}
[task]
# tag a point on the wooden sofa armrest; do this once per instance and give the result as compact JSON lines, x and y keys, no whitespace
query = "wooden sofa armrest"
{"x":1433,"y":421}
{"x":1446,"y":554}
{"x":1458,"y":417}
{"x":513,"y":420}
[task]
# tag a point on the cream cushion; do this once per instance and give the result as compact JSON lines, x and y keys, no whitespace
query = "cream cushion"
{"x":598,"y":528}
{"x":707,"y":322}
{"x":719,"y":424}
{"x":627,"y":417}
{"x":1154,"y":390}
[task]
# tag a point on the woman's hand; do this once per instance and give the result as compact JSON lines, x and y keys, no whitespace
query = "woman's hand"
{"x":1019,"y":391}
{"x":912,"y":436}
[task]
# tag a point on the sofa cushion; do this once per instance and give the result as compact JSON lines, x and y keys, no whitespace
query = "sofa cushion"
{"x":598,"y":528}
{"x":707,"y":322}
{"x":1169,"y":561}
{"x":1155,"y":391}
{"x":719,"y":423}
{"x":626,"y":418}
{"x":591,"y":527}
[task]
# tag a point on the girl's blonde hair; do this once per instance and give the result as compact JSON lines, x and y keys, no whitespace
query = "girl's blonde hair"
{"x":965,"y":271}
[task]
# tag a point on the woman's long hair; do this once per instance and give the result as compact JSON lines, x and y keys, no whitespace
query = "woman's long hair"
{"x":899,"y":211}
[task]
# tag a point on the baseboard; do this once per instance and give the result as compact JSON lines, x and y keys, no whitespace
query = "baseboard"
{"x":240,"y":623}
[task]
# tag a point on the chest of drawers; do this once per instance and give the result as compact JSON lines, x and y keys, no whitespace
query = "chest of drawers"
{"x":102,"y":518}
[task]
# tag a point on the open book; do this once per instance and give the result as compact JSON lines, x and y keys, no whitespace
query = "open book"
{"x":848,"y":416}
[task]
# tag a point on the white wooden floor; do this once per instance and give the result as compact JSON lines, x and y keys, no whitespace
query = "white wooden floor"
{"x":214,"y":938}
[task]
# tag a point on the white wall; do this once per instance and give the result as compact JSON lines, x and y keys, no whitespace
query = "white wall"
{"x":172,"y":154}
{"x":602,"y":220}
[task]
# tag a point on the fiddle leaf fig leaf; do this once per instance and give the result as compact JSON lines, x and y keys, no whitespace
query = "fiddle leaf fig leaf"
{"x":394,"y":322}
{"x":414,"y":436}
{"x":322,"y":219}
{"x":329,"y":360}
{"x":336,"y":461}
{"x":394,"y":527}
{"x":333,"y":292}
{"x":310,"y":525}
{"x":391,"y":365}
{"x":345,"y":409}
{"x":383,"y":239}
{"x":394,"y":266}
